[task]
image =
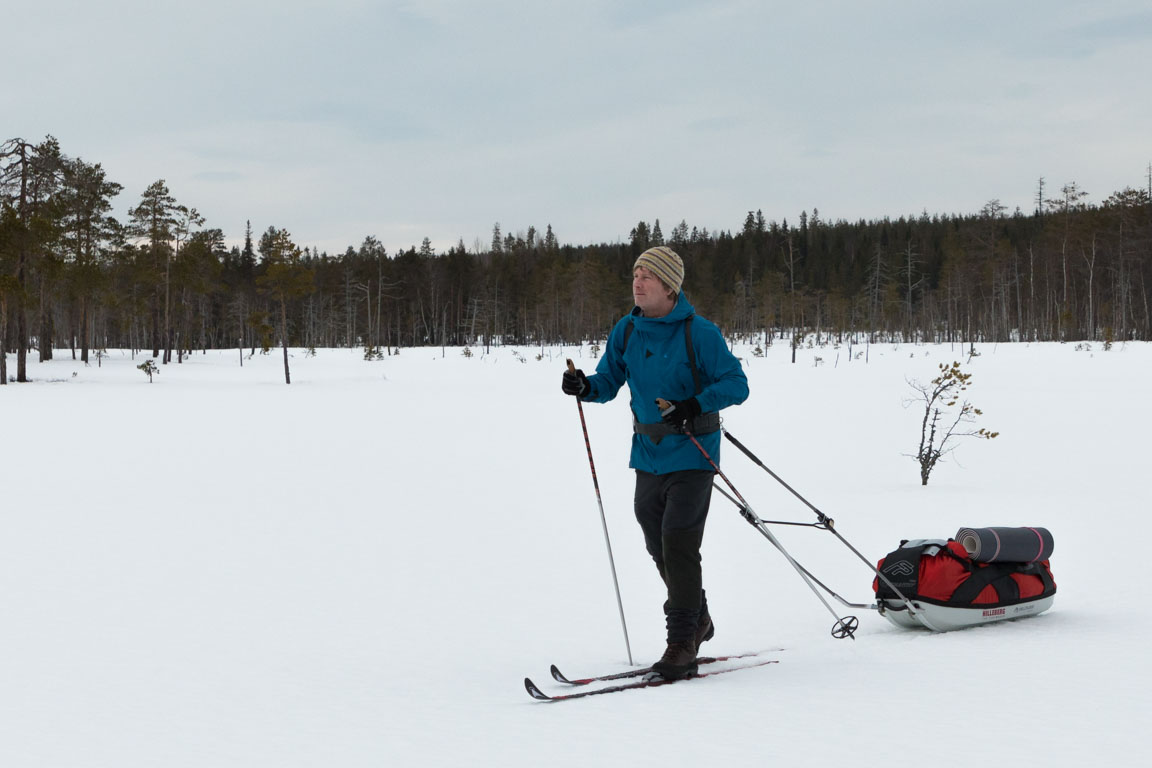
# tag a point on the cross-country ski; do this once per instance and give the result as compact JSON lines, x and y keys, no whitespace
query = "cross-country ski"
{"x":560,"y":677}
{"x":653,"y":681}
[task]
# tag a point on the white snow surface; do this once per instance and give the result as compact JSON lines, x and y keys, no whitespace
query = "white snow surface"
{"x":360,"y":569}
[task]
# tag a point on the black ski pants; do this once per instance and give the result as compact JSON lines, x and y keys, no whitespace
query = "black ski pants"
{"x":672,"y":510}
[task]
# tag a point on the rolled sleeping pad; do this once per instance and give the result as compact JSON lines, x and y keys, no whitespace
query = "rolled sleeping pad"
{"x":1006,"y":545}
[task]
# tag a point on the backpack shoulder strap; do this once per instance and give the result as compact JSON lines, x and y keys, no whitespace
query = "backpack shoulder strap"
{"x":692,"y":353}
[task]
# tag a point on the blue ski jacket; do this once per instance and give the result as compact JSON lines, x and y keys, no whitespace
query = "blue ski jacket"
{"x":653,"y":361}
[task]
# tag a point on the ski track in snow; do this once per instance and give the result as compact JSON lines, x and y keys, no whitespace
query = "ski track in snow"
{"x":359,"y":569}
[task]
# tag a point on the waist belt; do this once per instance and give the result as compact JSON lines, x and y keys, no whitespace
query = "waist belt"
{"x":703,"y":424}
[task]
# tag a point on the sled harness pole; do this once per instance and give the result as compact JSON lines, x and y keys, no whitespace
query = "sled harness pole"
{"x":824,"y":521}
{"x":603,"y":522}
{"x":844,"y":626}
{"x":746,"y":514}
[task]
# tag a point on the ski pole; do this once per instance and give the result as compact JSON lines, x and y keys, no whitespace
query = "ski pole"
{"x":603,"y":521}
{"x":845,"y":626}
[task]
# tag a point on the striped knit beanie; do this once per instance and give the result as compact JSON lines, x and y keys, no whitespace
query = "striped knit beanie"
{"x":665,"y":263}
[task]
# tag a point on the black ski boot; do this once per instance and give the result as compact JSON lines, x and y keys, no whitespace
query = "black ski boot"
{"x":679,"y":660}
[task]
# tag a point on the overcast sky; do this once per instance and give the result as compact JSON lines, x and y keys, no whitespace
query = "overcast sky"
{"x":338,"y":119}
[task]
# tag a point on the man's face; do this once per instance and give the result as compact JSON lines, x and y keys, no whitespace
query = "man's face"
{"x":650,"y":294}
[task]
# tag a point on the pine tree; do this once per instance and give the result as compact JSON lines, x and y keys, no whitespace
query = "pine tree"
{"x":29,"y":180}
{"x":9,"y":235}
{"x":185,"y":220}
{"x":749,"y":225}
{"x":86,"y":202}
{"x":248,"y":254}
{"x":657,"y":235}
{"x":285,"y":278}
{"x":497,"y":241}
{"x":1066,"y":206}
{"x":153,"y":220}
{"x":641,"y":238}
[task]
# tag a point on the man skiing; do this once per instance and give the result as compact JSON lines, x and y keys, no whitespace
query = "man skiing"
{"x":662,"y":350}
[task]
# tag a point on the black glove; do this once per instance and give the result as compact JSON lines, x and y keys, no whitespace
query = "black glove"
{"x":575,"y":383}
{"x":681,"y":412}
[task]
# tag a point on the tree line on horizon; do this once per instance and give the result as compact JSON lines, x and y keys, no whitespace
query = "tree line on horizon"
{"x":72,"y":277}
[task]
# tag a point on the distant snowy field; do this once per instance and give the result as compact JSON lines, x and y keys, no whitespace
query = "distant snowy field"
{"x":359,"y":569}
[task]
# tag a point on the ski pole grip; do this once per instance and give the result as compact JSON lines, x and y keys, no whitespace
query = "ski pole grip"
{"x":663,"y":405}
{"x":571,"y":366}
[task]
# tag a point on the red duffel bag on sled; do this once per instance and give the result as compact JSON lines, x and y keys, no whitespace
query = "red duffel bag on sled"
{"x":948,"y":590}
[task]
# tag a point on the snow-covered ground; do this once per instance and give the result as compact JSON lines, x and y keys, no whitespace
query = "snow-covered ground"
{"x":359,"y":569}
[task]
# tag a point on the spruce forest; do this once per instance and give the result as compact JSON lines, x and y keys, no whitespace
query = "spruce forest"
{"x":73,"y":278}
